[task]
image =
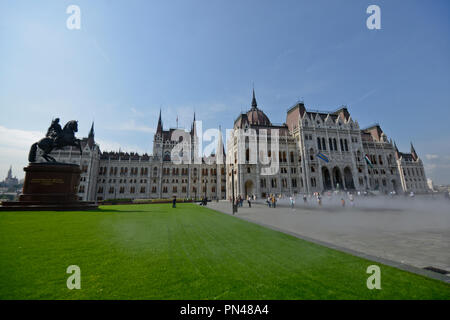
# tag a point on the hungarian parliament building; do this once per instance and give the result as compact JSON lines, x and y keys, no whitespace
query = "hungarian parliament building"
{"x":315,"y":151}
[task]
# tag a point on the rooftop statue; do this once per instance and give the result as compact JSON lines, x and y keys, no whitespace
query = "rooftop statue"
{"x":56,"y":138}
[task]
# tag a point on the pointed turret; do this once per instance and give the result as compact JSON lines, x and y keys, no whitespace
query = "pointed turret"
{"x":397,"y":153}
{"x":91,"y":132}
{"x":193,"y":129}
{"x":413,"y":153}
{"x":220,"y":148}
{"x":90,"y":140}
{"x":254,"y":104}
{"x":159,"y":128}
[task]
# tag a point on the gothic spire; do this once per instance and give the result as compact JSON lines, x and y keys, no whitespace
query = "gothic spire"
{"x":91,"y":132}
{"x":413,"y":152}
{"x":159,"y":127}
{"x":220,"y":152}
{"x":193,"y":130}
{"x":254,"y":104}
{"x":397,"y":153}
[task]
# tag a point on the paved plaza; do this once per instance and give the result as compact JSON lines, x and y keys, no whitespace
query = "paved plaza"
{"x":411,"y":232}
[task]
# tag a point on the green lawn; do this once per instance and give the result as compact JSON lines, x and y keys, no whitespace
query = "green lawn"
{"x":156,"y":252}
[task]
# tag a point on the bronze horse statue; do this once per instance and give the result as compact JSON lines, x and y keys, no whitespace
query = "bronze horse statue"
{"x":56,"y":138}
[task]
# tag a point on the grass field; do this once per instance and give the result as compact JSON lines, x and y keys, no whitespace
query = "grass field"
{"x":191,"y":252}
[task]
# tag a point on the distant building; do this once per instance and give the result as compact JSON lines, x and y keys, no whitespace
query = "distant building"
{"x":10,"y":181}
{"x":412,"y":173}
{"x":430,"y":184}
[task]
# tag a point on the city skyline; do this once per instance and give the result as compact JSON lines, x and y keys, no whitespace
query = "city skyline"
{"x":128,"y":61}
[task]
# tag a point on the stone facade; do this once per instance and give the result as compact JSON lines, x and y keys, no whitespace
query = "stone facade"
{"x":313,"y":151}
{"x":319,"y":151}
{"x":122,"y":175}
{"x":412,"y":174}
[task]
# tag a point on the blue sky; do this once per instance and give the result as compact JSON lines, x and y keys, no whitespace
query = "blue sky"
{"x":132,"y":58}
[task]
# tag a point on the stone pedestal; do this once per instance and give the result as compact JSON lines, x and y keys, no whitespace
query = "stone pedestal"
{"x":50,"y":186}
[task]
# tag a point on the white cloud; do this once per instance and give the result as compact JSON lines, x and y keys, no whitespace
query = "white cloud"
{"x":132,"y":126}
{"x":431,"y":156}
{"x":438,"y":167}
{"x":14,"y":147}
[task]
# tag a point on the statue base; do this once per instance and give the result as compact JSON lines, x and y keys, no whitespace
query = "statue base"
{"x":49,"y":186}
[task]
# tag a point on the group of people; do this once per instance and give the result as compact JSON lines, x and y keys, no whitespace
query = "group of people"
{"x":239,"y":201}
{"x":271,"y":201}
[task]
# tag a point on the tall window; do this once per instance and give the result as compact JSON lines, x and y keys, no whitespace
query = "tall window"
{"x":324,"y":146}
{"x":319,"y":146}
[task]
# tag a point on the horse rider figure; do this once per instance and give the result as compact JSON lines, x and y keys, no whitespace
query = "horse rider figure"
{"x":55,"y":131}
{"x":56,"y":138}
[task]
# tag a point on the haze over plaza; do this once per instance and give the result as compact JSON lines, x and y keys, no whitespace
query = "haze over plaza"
{"x":131,"y":59}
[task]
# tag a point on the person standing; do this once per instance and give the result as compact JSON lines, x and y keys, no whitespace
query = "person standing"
{"x":351,"y":198}
{"x":249,"y":201}
{"x":174,"y":202}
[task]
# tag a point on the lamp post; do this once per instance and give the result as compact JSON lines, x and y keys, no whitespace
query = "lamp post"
{"x":206,"y":190}
{"x":232,"y":190}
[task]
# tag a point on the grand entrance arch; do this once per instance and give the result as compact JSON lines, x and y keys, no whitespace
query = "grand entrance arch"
{"x":337,"y":178}
{"x":249,"y":188}
{"x":348,"y":179}
{"x":327,"y":185}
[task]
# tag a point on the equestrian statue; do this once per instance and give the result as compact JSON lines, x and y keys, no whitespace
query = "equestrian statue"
{"x":56,"y":138}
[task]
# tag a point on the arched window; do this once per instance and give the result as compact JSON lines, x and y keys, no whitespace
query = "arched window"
{"x":330,"y":143}
{"x":319,"y":146}
{"x":324,"y":146}
{"x":166,"y":156}
{"x":342,"y":145}
{"x":346,"y":145}
{"x":335,"y":145}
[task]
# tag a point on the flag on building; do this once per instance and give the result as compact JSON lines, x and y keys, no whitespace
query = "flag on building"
{"x":323,"y":157}
{"x":368,"y":161}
